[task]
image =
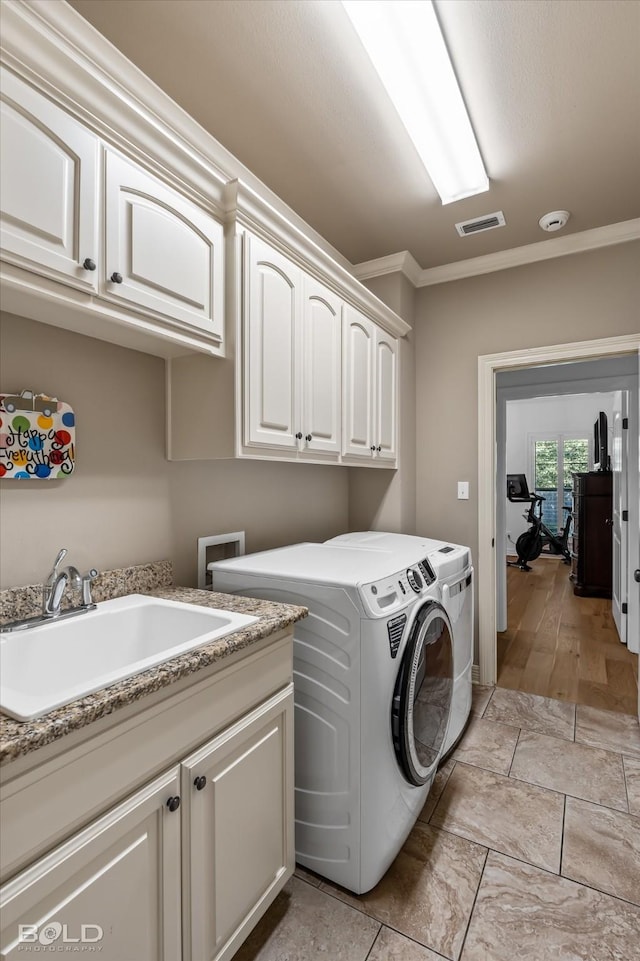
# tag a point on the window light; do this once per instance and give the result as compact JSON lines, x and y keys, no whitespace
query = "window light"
{"x":405,"y":44}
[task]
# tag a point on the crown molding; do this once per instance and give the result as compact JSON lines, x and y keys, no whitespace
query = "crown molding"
{"x":403,"y":262}
{"x":620,"y":233}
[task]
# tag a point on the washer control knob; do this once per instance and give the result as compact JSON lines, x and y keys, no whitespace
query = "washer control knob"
{"x":415,"y":581}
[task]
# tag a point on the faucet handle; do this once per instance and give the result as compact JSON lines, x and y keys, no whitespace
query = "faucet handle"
{"x":85,"y":580}
{"x":62,"y":553}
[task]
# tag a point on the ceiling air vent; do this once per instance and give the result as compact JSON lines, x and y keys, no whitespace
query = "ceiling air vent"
{"x":478,"y":224}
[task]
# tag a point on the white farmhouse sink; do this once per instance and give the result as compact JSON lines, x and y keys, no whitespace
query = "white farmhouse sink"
{"x":61,"y":660}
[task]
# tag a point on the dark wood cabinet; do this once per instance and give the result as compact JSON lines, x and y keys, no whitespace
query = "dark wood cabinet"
{"x":592,"y":535}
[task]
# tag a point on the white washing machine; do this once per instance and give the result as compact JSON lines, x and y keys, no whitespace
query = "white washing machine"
{"x":373,"y":682}
{"x":454,"y":573}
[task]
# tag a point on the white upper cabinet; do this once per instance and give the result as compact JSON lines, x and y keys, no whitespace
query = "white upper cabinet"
{"x":370,"y":387}
{"x":112,"y":206}
{"x":48,"y":187}
{"x":273,"y":296}
{"x":385,"y":430}
{"x":358,"y":372}
{"x":291,"y":331}
{"x":163,"y":253}
{"x":321,"y":369}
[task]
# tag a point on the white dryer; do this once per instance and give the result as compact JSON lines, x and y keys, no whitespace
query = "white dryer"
{"x":454,"y":573}
{"x":373,"y":683}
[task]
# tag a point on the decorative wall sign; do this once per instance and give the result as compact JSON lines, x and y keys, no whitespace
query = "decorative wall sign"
{"x":37,"y":437}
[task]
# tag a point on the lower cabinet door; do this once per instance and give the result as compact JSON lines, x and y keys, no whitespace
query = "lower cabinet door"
{"x":113,"y":889}
{"x":238,"y":829}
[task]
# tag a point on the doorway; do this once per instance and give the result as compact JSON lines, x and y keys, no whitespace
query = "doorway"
{"x":535,"y":362}
{"x":557,"y":643}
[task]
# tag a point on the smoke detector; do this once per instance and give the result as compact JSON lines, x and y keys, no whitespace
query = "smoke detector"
{"x":555,"y":220}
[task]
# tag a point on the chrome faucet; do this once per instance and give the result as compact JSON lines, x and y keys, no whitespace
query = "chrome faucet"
{"x":52,"y":592}
{"x":53,"y":587}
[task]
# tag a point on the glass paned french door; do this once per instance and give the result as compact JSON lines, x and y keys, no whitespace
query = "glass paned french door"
{"x":555,"y":459}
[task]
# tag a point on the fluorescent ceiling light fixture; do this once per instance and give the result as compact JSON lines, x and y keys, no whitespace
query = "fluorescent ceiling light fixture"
{"x":405,"y":44}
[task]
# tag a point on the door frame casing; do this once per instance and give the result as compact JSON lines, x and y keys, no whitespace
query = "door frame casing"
{"x":488,"y":366}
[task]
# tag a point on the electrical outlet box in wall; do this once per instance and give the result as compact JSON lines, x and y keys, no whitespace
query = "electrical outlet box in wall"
{"x":463,"y":490}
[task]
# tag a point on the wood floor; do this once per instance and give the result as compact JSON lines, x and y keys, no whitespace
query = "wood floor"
{"x":562,"y":646}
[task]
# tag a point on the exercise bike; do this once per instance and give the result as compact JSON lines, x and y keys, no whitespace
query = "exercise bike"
{"x":530,"y":543}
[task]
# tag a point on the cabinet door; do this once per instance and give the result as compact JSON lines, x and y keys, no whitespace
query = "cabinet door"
{"x":321,"y":369}
{"x":385,"y":428}
{"x":238,"y":834}
{"x":167,"y":251}
{"x":48,"y":187}
{"x":359,"y":338}
{"x":114,"y":888}
{"x":271,"y":327}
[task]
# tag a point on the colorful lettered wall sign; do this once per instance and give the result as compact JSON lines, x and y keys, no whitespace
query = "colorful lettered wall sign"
{"x":37,"y":437}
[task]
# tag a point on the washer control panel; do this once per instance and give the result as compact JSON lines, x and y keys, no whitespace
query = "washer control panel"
{"x":394,"y":592}
{"x":415,"y":580}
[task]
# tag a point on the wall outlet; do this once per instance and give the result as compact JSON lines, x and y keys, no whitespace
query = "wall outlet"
{"x":463,"y":490}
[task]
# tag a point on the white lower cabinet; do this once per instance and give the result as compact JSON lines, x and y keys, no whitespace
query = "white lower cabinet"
{"x":182,"y":869}
{"x":112,"y":888}
{"x":237,"y":829}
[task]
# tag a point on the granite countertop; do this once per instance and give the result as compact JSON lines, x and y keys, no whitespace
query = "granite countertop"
{"x":21,"y":737}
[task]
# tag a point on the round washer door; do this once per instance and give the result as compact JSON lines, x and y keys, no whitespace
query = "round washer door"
{"x":422,"y":696}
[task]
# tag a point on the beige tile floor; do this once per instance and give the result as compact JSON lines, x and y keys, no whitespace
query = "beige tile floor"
{"x":528,"y":848}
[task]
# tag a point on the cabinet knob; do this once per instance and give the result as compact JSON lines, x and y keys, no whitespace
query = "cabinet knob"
{"x":200,"y":782}
{"x":115,"y":278}
{"x":636,"y":575}
{"x":173,"y":803}
{"x":299,"y":435}
{"x":89,"y":264}
{"x":308,"y":438}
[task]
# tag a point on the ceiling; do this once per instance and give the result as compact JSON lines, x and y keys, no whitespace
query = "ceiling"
{"x":552,"y":88}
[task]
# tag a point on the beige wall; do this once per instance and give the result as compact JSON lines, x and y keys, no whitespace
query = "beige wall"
{"x":380,"y":499}
{"x":575,"y":298}
{"x":124,"y":503}
{"x":114,"y":509}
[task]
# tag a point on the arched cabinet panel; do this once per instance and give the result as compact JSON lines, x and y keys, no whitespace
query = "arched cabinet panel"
{"x":163,"y":253}
{"x":321,"y":368}
{"x":358,"y":371}
{"x":48,"y":187}
{"x":271,"y":371}
{"x":385,"y":419}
